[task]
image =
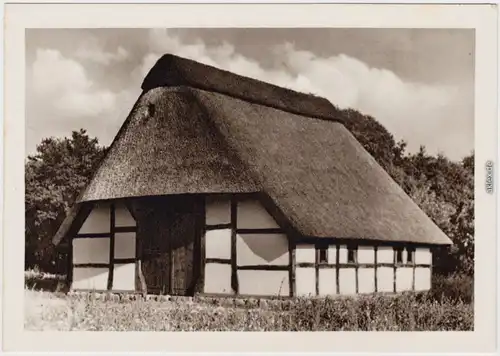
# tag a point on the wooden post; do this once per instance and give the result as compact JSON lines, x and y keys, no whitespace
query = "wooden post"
{"x":394,"y":261}
{"x":199,"y":246}
{"x":413,"y":270}
{"x":69,"y":256}
{"x":171,"y":274}
{"x":375,"y":250}
{"x":291,"y":274}
{"x":234,"y":224}
{"x":431,"y":250}
{"x":337,"y":272}
{"x":316,"y":267}
{"x":111,"y":245}
{"x":356,"y":268}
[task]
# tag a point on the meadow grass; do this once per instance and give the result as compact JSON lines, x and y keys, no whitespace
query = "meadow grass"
{"x":430,"y":311}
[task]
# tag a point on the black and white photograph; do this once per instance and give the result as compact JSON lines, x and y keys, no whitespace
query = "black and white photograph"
{"x":277,"y":179}
{"x":265,"y":179}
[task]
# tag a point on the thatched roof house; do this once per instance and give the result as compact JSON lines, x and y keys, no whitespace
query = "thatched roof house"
{"x":216,"y":180}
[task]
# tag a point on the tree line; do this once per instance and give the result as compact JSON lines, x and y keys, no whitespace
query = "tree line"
{"x":444,"y":189}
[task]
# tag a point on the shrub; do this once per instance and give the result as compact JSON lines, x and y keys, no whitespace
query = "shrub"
{"x":457,"y":287}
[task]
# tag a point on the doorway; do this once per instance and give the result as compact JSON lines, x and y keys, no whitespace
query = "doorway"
{"x":169,"y":230}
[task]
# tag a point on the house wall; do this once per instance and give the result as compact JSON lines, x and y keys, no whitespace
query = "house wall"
{"x":245,"y":250}
{"x":374,"y":269}
{"x":104,"y":250}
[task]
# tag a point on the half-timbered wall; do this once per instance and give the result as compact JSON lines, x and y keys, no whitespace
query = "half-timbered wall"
{"x":246,"y":252}
{"x":104,"y":250}
{"x":341,"y":269}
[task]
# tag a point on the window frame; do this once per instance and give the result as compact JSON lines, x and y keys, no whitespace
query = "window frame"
{"x":322,"y":248}
{"x":410,"y":255}
{"x":398,"y":251}
{"x":354,"y":250}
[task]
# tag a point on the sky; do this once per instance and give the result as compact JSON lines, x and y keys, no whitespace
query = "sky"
{"x":418,"y":83}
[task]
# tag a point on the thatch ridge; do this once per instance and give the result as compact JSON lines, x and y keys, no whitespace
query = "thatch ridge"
{"x":174,"y":71}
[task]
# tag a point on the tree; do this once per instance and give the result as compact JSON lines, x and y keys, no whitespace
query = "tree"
{"x":372,"y":135}
{"x":54,"y":176}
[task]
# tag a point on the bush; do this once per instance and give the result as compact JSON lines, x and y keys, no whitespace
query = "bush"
{"x":457,"y":287}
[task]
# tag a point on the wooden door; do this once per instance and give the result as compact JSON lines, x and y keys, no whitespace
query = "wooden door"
{"x":182,"y":236}
{"x":154,"y":252}
{"x":168,"y":230}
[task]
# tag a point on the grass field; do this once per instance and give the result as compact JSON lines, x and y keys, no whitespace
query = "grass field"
{"x":449,"y":309}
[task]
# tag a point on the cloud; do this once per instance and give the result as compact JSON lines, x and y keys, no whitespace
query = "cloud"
{"x":101,"y":57}
{"x":422,"y":114}
{"x":62,"y":97}
{"x":66,"y":93}
{"x":64,"y":85}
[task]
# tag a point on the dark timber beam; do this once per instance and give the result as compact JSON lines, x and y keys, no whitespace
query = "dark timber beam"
{"x":111,"y":245}
{"x":234,"y":224}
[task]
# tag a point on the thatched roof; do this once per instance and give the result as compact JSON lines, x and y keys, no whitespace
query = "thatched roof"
{"x":173,"y":71}
{"x":182,"y":139}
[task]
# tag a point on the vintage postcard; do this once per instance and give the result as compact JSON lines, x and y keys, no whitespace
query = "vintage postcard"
{"x":302,"y":169}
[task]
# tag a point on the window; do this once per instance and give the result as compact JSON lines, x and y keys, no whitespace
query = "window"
{"x":410,"y":253}
{"x":351,"y":255}
{"x":323,"y":255}
{"x":399,"y":255}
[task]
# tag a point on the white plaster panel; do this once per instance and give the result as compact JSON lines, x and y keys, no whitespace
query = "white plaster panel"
{"x":423,"y":256}
{"x":332,"y":254}
{"x":385,"y":279}
{"x":91,"y":250}
{"x":342,"y":254}
{"x":98,"y":220}
{"x":124,"y":277}
{"x":90,"y":278}
{"x":327,"y":281}
{"x":263,"y":283}
{"x":366,"y":280}
{"x":305,"y":253}
{"x":305,"y":281}
{"x":125,"y":245}
{"x":218,"y":211}
{"x":262,"y":249}
{"x":218,"y":243}
{"x":123,"y":218}
{"x":404,"y":279}
{"x":422,"y":278}
{"x":366,"y":254}
{"x":218,"y":278}
{"x":385,"y":254}
{"x":252,"y":215}
{"x":347,"y":281}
